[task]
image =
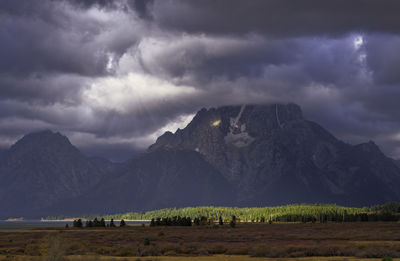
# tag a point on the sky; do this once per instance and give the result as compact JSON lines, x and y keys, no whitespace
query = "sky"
{"x":114,"y":75}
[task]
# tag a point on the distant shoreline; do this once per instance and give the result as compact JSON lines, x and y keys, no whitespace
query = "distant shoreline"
{"x":65,"y":220}
{"x":15,"y":219}
{"x":84,"y":219}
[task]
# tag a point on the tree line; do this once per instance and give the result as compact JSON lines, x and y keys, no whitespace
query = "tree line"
{"x":187,"y":221}
{"x":287,"y":213}
{"x":95,"y":223}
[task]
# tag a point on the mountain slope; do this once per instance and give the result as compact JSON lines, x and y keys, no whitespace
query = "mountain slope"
{"x":250,"y":155}
{"x":164,"y":178}
{"x":41,"y":169}
{"x":271,"y":155}
{"x":397,"y":163}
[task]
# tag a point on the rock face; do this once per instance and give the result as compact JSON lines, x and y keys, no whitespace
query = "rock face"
{"x":271,"y":155}
{"x":43,"y":168}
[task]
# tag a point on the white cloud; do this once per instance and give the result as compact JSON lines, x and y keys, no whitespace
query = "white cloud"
{"x":358,"y":42}
{"x":132,"y":92}
{"x":179,"y":123}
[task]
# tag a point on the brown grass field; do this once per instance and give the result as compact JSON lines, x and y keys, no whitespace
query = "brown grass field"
{"x":331,"y":241}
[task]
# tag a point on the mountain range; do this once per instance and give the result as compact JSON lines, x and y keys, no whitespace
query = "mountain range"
{"x":249,"y":155}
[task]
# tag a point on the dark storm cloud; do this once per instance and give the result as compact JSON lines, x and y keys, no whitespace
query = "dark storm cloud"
{"x":142,"y":8}
{"x":203,"y":58}
{"x":97,"y":3}
{"x":43,"y":89}
{"x":48,"y":49}
{"x":50,"y":40}
{"x":384,"y":58}
{"x":112,"y":74}
{"x":331,"y":77}
{"x":321,"y":59}
{"x":281,"y":18}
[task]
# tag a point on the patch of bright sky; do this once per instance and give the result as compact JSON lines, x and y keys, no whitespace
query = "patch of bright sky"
{"x":358,"y":42}
{"x":110,"y":63}
{"x":179,"y":123}
{"x":132,"y":91}
{"x":142,"y":142}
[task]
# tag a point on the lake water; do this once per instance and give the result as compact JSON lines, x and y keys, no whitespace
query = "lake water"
{"x":29,"y":224}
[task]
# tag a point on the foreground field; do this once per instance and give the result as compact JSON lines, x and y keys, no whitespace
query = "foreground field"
{"x":346,"y":241}
{"x":198,"y":258}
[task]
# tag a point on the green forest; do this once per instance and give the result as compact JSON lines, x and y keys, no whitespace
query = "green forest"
{"x":287,"y":213}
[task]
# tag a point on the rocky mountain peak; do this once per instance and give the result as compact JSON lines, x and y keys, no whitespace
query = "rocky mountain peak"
{"x":45,"y":163}
{"x":259,"y":148}
{"x":370,"y":149}
{"x":369,"y":146}
{"x":42,"y":141}
{"x":272,"y":115}
{"x":238,"y":126}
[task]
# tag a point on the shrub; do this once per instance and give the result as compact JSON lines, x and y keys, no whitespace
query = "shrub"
{"x":218,"y":249}
{"x":56,"y":250}
{"x":200,"y":252}
{"x":146,"y":242}
{"x":237,"y":251}
{"x":265,"y":251}
{"x":151,"y":251}
{"x":32,"y":250}
{"x":387,"y":258}
{"x":169,"y":248}
{"x":88,"y":258}
{"x":170,"y":253}
{"x":126,"y":252}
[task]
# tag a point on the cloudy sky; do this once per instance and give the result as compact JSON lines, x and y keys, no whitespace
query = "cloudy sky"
{"x":113,"y":75}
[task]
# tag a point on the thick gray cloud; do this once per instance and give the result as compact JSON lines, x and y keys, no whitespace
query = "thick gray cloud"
{"x":278,"y":18}
{"x":112,"y":75}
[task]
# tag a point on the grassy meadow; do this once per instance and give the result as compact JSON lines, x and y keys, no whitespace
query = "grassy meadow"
{"x":277,"y":241}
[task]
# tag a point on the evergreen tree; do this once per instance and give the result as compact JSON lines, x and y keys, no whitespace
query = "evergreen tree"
{"x":122,"y":223}
{"x":221,"y":222}
{"x":77,"y":223}
{"x":203,"y":220}
{"x":233,"y":222}
{"x":112,"y":223}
